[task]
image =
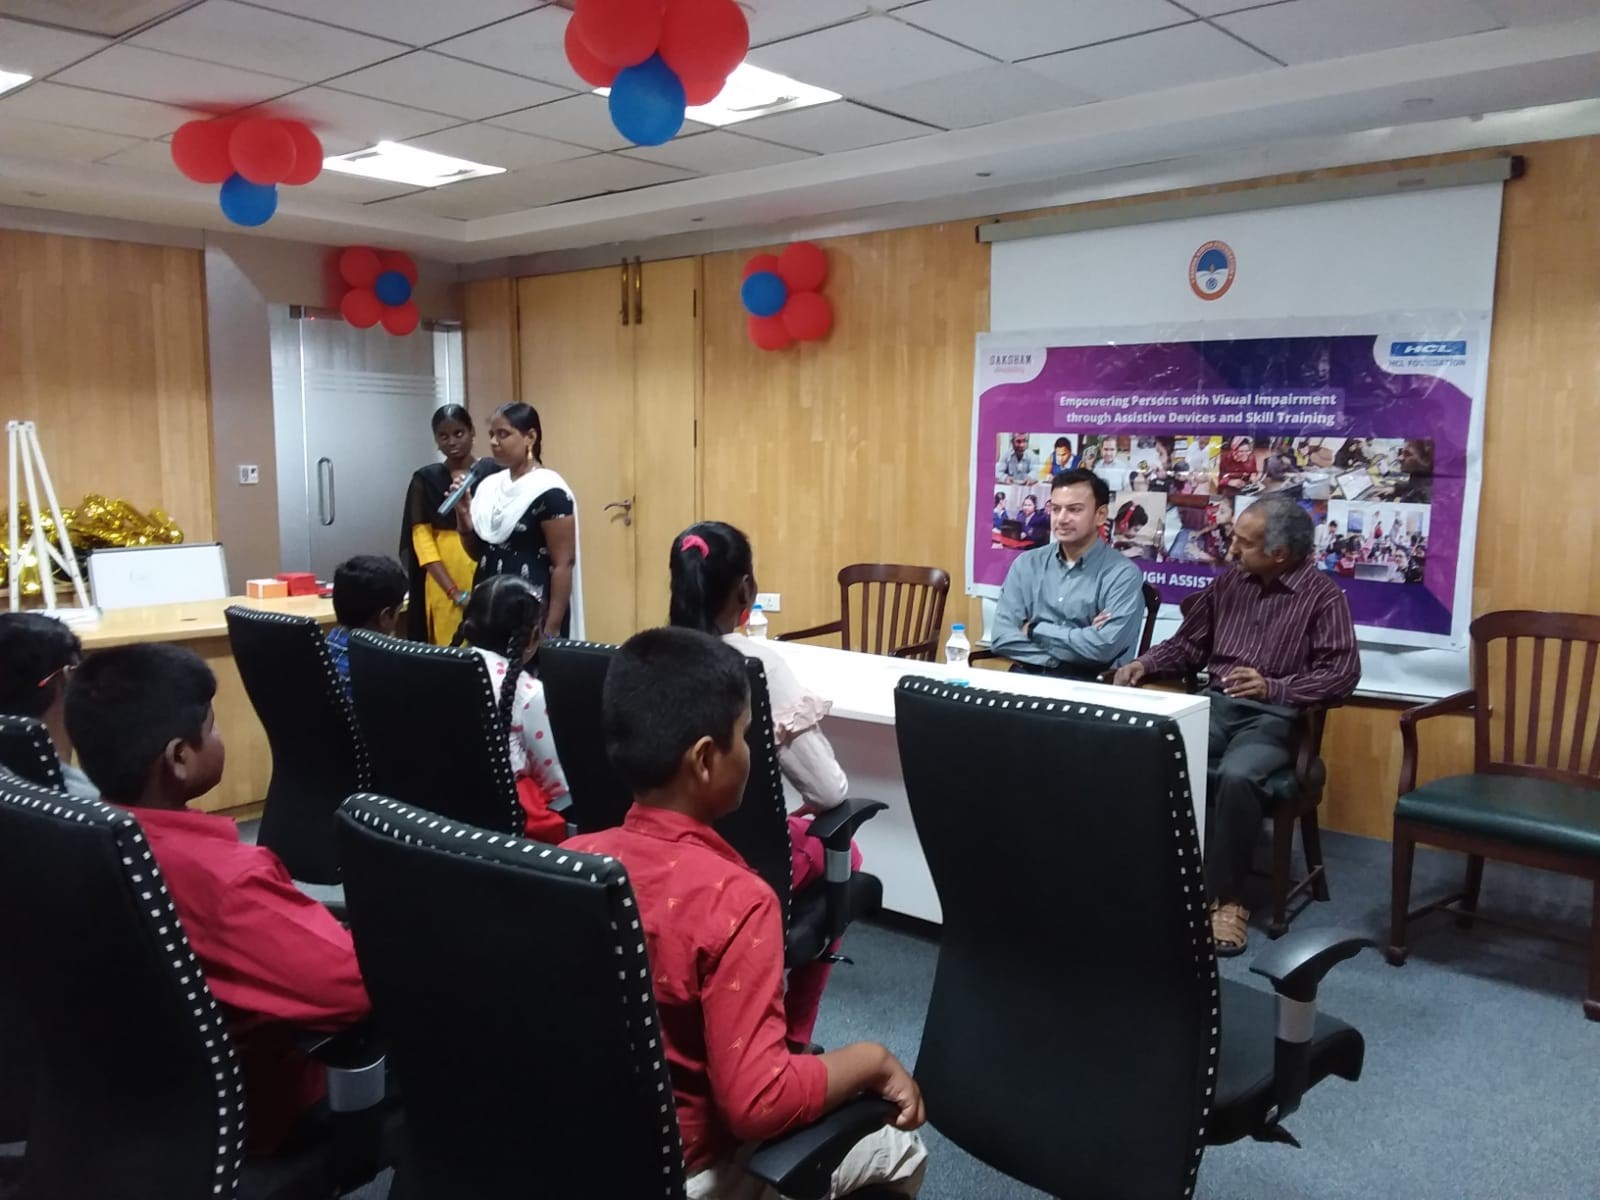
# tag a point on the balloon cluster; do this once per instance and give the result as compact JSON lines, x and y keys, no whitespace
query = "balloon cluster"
{"x":380,"y":283}
{"x":658,"y":57}
{"x":98,"y":522}
{"x":780,"y":292}
{"x":249,"y":157}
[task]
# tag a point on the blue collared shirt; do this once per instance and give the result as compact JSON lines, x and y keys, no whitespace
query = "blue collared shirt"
{"x":1062,"y":600}
{"x":339,"y":651}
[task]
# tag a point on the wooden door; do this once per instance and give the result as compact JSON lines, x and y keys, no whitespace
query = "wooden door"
{"x":577,"y":370}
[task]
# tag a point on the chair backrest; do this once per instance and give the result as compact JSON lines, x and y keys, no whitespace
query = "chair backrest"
{"x":574,"y":676}
{"x":511,"y":988}
{"x":1526,"y":722}
{"x":759,"y":828}
{"x":896,"y":607}
{"x":318,"y":756}
{"x":1127,"y":1020}
{"x":28,"y":753}
{"x":432,"y":724}
{"x":1152,"y":609}
{"x":139,"y":1094}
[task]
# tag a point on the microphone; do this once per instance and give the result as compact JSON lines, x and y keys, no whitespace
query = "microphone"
{"x":454,"y":498}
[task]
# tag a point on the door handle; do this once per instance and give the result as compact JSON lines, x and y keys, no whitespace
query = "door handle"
{"x":326,"y":500}
{"x":627,"y":509}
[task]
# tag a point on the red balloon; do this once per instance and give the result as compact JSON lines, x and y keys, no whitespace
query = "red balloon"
{"x":398,"y":260}
{"x":402,"y":318}
{"x":761,"y":262}
{"x":803,"y":266}
{"x":703,"y":91}
{"x":361,"y":308}
{"x":807,"y":316}
{"x":262,"y":150}
{"x":307,"y":153}
{"x":769,"y":333}
{"x":200,"y":150}
{"x":704,"y":38}
{"x":590,"y":69}
{"x":359,"y":266}
{"x":620,"y":33}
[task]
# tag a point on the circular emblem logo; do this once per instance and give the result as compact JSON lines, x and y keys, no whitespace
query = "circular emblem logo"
{"x":1211,"y":270}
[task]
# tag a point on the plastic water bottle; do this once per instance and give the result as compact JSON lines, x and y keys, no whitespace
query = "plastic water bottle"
{"x":756,"y":626}
{"x":958,"y":651}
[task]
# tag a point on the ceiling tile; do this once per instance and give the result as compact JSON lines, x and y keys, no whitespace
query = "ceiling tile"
{"x":582,"y":120}
{"x":497,"y":147}
{"x":1539,"y":12}
{"x":331,"y":185}
{"x":1152,"y":62}
{"x":871,"y":55}
{"x":114,"y":18}
{"x":341,"y":115}
{"x":1214,"y":8}
{"x":447,"y":85}
{"x":414,"y":24}
{"x":981,"y":97}
{"x":237,"y":35}
{"x":84,"y":109}
{"x":717,"y":152}
{"x":1311,"y":30}
{"x":833,"y":128}
{"x":1013,"y":29}
{"x":151,"y":75}
{"x":37,"y":51}
{"x":774,"y":19}
{"x":554,"y":184}
{"x":146,"y":156}
{"x":41,"y":139}
{"x":530,"y":45}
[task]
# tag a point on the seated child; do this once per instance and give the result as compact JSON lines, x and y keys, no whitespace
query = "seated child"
{"x":37,"y":655}
{"x":503,"y":623}
{"x":675,"y":710}
{"x":368,"y":591}
{"x":276,"y":961}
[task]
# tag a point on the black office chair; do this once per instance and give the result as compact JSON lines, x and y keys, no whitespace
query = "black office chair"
{"x":574,"y":675}
{"x":28,"y":753}
{"x":432,"y":723}
{"x":1094,"y":1066}
{"x":527,"y":1049}
{"x":318,"y":757}
{"x":140,"y":1096}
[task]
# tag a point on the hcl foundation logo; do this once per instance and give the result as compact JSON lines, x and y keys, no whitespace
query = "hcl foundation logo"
{"x":1425,"y":355}
{"x":1211,"y":270}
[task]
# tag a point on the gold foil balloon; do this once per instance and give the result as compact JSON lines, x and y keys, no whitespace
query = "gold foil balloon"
{"x":98,"y":523}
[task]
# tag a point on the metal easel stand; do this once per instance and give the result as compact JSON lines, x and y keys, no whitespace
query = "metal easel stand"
{"x":23,"y":446}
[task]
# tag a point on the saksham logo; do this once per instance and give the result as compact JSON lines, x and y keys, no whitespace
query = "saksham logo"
{"x":1020,"y":363}
{"x":1211,"y":270}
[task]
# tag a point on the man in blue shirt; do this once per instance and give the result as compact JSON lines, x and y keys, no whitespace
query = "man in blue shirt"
{"x":1072,"y":607}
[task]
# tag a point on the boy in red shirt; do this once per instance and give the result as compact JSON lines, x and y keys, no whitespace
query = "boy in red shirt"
{"x":276,"y":961}
{"x":675,"y":710}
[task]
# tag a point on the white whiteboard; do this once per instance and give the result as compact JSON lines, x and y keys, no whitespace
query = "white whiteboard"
{"x":143,"y":575}
{"x":1423,"y":251}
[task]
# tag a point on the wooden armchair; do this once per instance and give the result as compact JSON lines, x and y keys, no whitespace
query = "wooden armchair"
{"x":1152,"y":608}
{"x":1537,"y":801}
{"x":901,"y":611}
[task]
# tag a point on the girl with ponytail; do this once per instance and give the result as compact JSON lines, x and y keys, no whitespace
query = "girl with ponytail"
{"x":503,"y":623}
{"x":713,"y":588}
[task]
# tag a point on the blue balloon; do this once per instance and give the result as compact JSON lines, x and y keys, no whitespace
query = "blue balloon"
{"x":392,"y":288}
{"x":246,"y":203}
{"x":764,"y":294}
{"x":648,"y":103}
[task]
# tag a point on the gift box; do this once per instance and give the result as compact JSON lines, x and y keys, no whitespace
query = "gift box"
{"x":300,"y":583}
{"x":265,"y":589}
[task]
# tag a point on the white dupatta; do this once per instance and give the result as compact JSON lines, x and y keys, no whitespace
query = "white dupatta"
{"x":500,"y":502}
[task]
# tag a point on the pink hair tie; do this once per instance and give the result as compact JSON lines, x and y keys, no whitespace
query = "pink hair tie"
{"x":693,"y":541}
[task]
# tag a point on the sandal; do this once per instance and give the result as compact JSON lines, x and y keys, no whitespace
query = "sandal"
{"x":1229,"y":931}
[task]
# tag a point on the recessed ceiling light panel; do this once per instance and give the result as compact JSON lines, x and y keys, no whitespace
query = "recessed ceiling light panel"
{"x":398,"y":163}
{"x":753,"y":92}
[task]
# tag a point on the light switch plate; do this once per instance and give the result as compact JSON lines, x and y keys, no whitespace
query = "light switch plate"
{"x":249,"y":473}
{"x":770,"y":601}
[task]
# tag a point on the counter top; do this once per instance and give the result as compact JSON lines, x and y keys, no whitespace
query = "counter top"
{"x":191,"y":621}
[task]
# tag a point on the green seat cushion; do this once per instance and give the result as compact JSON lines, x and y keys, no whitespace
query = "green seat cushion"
{"x":1531,"y":812}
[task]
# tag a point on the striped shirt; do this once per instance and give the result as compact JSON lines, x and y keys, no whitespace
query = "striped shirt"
{"x":1295,"y":630}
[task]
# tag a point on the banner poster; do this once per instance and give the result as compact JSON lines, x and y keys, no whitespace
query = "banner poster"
{"x":1374,"y":431}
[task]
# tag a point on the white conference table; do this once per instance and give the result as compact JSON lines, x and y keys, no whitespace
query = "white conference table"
{"x":861,"y":728}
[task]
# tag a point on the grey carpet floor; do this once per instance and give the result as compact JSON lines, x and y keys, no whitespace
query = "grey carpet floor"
{"x":1482,"y":1078}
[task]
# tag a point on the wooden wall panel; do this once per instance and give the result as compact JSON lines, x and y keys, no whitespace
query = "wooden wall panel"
{"x":103,"y":346}
{"x":849,"y":450}
{"x":489,"y":335}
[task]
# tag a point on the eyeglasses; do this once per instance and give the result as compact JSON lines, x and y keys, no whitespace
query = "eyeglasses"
{"x":64,"y":670}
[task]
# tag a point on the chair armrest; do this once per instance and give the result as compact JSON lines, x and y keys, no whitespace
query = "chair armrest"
{"x":834,"y":827}
{"x":355,"y":1065}
{"x":814,"y":631}
{"x":981,"y":655}
{"x":801,"y":1164}
{"x":1296,"y":962}
{"x":1308,"y":753}
{"x":919,"y":651}
{"x":1461,"y":702}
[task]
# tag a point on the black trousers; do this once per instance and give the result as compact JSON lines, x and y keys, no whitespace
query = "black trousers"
{"x":1248,"y":743}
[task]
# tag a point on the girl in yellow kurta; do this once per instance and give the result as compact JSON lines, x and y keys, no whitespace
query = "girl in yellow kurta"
{"x":430,"y":547}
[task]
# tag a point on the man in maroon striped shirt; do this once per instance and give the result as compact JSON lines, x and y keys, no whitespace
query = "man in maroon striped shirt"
{"x":1275,"y":636}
